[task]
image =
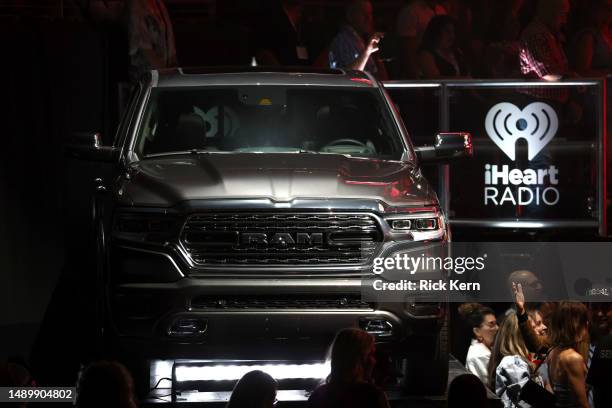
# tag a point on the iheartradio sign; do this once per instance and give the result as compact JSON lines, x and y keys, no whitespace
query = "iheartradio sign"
{"x":505,"y":124}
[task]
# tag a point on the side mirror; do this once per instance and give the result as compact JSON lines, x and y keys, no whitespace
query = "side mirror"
{"x":447,"y":147}
{"x":87,"y":146}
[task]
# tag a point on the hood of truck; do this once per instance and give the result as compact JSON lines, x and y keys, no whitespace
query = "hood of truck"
{"x":168,"y":180}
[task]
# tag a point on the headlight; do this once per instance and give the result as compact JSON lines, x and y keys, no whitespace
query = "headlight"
{"x":423,"y":224}
{"x":401,"y":224}
{"x":418,"y":224}
{"x":154,"y":228}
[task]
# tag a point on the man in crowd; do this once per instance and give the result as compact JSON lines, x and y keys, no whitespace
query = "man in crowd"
{"x":541,"y":53}
{"x":348,"y":49}
{"x":542,"y":57}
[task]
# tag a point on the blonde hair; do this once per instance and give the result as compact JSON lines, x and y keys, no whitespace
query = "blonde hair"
{"x":509,"y":342}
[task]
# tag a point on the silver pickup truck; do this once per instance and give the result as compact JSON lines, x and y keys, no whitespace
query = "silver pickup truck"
{"x":244,"y":208}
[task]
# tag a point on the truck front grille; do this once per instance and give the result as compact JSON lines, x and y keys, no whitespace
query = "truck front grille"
{"x":281,"y":239}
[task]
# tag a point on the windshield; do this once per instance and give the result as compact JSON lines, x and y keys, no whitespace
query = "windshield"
{"x":269,"y":119}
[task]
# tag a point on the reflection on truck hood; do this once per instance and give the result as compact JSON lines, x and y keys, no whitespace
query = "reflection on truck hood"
{"x":165,"y":181}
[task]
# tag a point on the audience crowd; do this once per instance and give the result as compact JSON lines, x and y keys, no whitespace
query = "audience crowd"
{"x":421,"y":39}
{"x":532,"y":360}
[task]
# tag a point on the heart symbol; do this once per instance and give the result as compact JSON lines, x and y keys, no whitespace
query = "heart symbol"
{"x":505,"y":123}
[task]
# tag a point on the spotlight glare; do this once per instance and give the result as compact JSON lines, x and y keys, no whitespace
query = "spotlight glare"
{"x":225,"y":372}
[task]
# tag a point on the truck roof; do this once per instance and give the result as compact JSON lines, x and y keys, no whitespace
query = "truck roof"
{"x":233,"y":76}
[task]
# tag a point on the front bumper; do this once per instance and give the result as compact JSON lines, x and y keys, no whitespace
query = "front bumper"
{"x":144,"y":314}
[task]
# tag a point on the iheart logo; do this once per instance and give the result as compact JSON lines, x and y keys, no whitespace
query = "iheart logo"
{"x":506,"y":123}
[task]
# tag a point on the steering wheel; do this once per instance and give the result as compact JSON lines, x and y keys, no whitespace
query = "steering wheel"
{"x":345,"y":141}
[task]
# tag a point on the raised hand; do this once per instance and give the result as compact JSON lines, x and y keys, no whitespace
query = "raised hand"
{"x":519,"y":297}
{"x":373,"y":43}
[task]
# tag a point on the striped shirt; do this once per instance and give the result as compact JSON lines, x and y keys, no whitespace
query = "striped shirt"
{"x":541,"y":54}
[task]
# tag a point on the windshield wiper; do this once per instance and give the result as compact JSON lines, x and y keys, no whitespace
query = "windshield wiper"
{"x":182,"y":152}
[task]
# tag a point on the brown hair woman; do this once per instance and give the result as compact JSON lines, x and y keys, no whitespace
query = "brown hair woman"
{"x":569,"y":334}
